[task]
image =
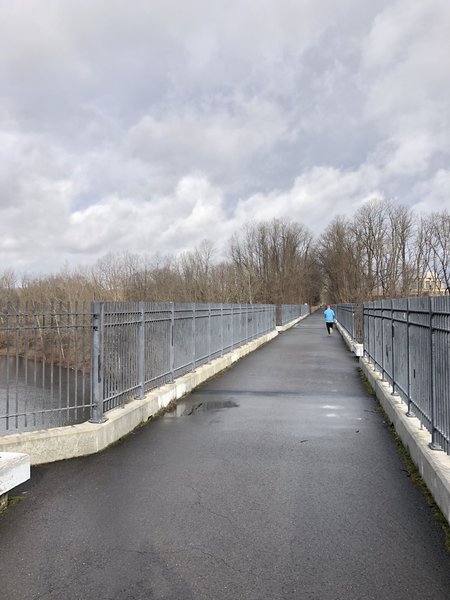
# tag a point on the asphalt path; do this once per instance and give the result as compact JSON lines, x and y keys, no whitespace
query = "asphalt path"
{"x":276,"y":480}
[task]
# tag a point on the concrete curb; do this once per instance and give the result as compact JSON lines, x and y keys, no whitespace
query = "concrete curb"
{"x":14,"y":470}
{"x":59,"y":443}
{"x":434,"y":466}
{"x":357,"y":349}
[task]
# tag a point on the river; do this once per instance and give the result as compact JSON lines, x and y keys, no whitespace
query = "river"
{"x":34,"y":395}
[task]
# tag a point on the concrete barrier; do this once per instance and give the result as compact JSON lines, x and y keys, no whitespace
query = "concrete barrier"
{"x":433,"y":465}
{"x":14,"y":470}
{"x":355,"y":347}
{"x":58,"y":443}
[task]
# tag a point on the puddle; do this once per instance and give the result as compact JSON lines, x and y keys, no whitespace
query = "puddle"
{"x":194,"y":406}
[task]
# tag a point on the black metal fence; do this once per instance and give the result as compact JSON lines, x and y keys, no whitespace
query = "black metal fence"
{"x":408,"y":341}
{"x":62,"y":364}
{"x":350,"y":317}
{"x":140,"y":346}
{"x":286,"y":313}
{"x":45,"y":354}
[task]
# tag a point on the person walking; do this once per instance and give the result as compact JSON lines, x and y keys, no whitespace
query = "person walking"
{"x":329,"y":315}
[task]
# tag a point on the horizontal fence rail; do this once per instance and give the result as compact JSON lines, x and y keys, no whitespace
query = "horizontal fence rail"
{"x":408,"y":341}
{"x":62,"y":364}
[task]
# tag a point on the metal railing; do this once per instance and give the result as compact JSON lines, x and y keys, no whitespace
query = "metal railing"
{"x":349,"y":317}
{"x":63,"y":364}
{"x":289,"y":312}
{"x":44,"y":366}
{"x":408,"y":341}
{"x":140,"y":346}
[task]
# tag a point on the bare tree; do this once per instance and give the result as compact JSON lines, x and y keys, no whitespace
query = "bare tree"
{"x":396,"y":260}
{"x":370,"y":232}
{"x":8,"y":287}
{"x":272,"y":261}
{"x":339,"y":253}
{"x":438,"y":240}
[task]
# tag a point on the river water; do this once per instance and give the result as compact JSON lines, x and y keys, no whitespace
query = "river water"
{"x":35,"y":396}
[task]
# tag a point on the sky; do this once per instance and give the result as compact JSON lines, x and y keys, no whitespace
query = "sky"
{"x":148,"y":126}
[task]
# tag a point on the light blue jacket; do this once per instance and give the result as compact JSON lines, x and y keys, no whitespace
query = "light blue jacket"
{"x":328,"y":313}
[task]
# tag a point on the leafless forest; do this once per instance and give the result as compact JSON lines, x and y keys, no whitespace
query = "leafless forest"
{"x":384,"y":251}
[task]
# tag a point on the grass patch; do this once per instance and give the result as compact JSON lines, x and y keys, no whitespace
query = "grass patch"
{"x":411,"y":469}
{"x":12,"y":501}
{"x":366,"y":383}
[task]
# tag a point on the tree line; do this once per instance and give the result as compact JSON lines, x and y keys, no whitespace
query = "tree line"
{"x":383,"y":251}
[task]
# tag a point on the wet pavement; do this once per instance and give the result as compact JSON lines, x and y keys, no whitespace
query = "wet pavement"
{"x":276,"y":480}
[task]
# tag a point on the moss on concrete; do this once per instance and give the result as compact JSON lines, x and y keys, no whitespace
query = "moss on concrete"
{"x":10,"y":502}
{"x":411,"y":469}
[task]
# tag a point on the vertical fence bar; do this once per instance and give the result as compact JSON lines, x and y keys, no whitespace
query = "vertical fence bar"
{"x":27,"y":326}
{"x":75,"y":358}
{"x":97,"y":415}
{"x":365,"y":335}
{"x":394,"y":391}
{"x":233,"y":328}
{"x":221,"y":330}
{"x":382,"y":340}
{"x":409,"y":412}
{"x":141,"y":351}
{"x":247,"y":316}
{"x":209,"y":332}
{"x":17,"y":336}
{"x":68,"y":355}
{"x":43,"y":326}
{"x":172,"y":349}
{"x":434,"y":445}
{"x":193,"y":337}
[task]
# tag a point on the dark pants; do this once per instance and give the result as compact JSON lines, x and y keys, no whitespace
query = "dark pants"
{"x":330,"y":326}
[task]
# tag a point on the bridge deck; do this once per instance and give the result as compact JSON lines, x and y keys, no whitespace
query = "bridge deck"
{"x":276,"y":480}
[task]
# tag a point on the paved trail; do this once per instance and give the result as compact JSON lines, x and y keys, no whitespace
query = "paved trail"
{"x":276,"y":480}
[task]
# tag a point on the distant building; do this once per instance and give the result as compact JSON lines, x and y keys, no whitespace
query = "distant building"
{"x":433,"y":285}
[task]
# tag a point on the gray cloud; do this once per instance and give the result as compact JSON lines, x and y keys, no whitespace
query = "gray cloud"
{"x":150,"y":126}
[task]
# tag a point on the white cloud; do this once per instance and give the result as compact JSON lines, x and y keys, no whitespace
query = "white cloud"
{"x":151,"y":126}
{"x":315,"y":199}
{"x":407,"y":66}
{"x":174,"y":222}
{"x":220,"y":140}
{"x":434,"y":193}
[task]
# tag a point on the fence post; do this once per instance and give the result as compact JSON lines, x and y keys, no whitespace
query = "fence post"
{"x":247,"y":316}
{"x":368,"y":344}
{"x":434,"y":445}
{"x":410,"y":412}
{"x":221,"y":329}
{"x":394,"y":392}
{"x":366,"y":331}
{"x":97,"y":325}
{"x":209,"y":332}
{"x":141,"y":352}
{"x":232,"y":326}
{"x":382,"y":339}
{"x":193,"y":337}
{"x":171,"y":349}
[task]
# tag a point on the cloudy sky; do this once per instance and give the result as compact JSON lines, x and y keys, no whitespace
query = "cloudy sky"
{"x":150,"y":125}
